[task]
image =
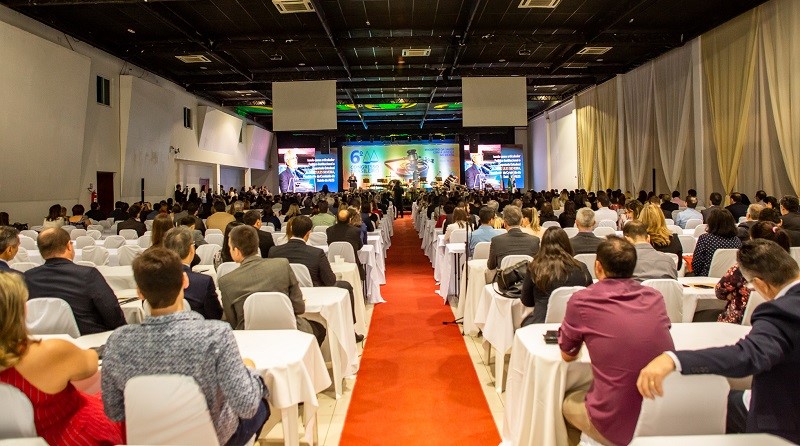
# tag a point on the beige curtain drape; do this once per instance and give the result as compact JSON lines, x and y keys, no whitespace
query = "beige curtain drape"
{"x":637,"y":96}
{"x":729,"y":62}
{"x":585,"y":111}
{"x":597,"y":136}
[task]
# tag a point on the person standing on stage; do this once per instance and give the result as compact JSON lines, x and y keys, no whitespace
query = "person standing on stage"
{"x":352,"y":181}
{"x":398,"y":198}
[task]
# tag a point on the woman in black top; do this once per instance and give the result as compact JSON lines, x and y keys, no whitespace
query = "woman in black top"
{"x":567,"y":218}
{"x":547,"y":213}
{"x":552,"y":267}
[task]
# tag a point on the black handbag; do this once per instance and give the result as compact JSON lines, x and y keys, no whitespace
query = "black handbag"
{"x":508,"y":281}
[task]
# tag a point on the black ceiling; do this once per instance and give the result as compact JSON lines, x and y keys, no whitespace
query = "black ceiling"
{"x":359,"y":43}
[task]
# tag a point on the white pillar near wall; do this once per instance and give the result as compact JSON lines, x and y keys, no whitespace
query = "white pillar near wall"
{"x":248,"y":174}
{"x":549,"y":148}
{"x":700,"y":146}
{"x":215,"y":181}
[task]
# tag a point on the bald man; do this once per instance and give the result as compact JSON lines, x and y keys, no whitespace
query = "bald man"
{"x":343,"y":231}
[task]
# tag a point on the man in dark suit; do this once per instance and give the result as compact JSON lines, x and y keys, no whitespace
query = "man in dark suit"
{"x":9,"y":246}
{"x":667,"y":206}
{"x":343,"y":231}
{"x":133,"y":221}
{"x":201,"y":292}
{"x":514,"y":242}
{"x":585,"y":242}
{"x":770,"y":352}
{"x":398,"y":199}
{"x":265,"y":240}
{"x":715,"y":199}
{"x":791,"y":218}
{"x":290,"y":174}
{"x":93,"y":302}
{"x":737,"y":208}
{"x":120,"y":212}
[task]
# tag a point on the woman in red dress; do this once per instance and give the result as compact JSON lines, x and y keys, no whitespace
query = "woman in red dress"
{"x":43,"y":371}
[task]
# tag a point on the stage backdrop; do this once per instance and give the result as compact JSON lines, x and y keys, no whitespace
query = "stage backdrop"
{"x":495,"y":165}
{"x":395,"y":161}
{"x":306,"y":170}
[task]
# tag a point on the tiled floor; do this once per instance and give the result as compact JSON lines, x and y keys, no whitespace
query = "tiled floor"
{"x":332,"y":412}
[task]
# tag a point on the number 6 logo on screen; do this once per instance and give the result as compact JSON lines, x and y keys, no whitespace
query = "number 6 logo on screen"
{"x":356,"y":156}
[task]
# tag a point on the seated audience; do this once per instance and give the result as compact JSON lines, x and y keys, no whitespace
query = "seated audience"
{"x":95,"y":213}
{"x":53,"y":219}
{"x":323,"y":217}
{"x":585,"y":242}
{"x":133,"y":221}
{"x":660,"y":237}
{"x":530,"y":223}
{"x":667,"y":206}
{"x":720,"y":234}
{"x":790,"y":217}
{"x":269,"y":217}
{"x":44,"y":372}
{"x":737,"y":208}
{"x":624,"y":325}
{"x":460,"y":221}
{"x":93,"y":302}
{"x":293,"y":211}
{"x":485,"y":231}
{"x":552,"y":267}
{"x":514,"y":242}
{"x":632,"y":210}
{"x":343,"y":231}
{"x":120,"y":212}
{"x":78,"y":219}
{"x":192,"y":209}
{"x":9,"y":246}
{"x":219,"y":219}
{"x":716,"y":200}
{"x":603,"y":211}
{"x":690,"y":213}
{"x":676,"y":198}
{"x":567,"y":218}
{"x":265,"y":240}
{"x":770,"y":352}
{"x":225,"y":252}
{"x":197,"y":236}
{"x":201,"y":292}
{"x":256,"y":274}
{"x":547,"y":213}
{"x":161,"y":224}
{"x":743,"y":230}
{"x":172,"y":341}
{"x":650,"y":264}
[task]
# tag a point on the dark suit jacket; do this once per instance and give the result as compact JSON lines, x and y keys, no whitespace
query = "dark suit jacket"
{"x":791,"y":224}
{"x":345,"y":232}
{"x":771,"y":353}
{"x":286,"y":181}
{"x":265,"y":243}
{"x":315,"y":259}
{"x":743,"y":230}
{"x":7,"y":269}
{"x":668,"y":207}
{"x":738,"y":210}
{"x":93,"y":302}
{"x":130,"y":223}
{"x":202,"y":294}
{"x":472,"y":177}
{"x":707,"y":211}
{"x":514,"y":242}
{"x":585,"y":243}
{"x":119,"y":215}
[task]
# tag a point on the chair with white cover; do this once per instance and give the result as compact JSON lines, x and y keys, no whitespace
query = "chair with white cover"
{"x":144,"y":241}
{"x":96,"y":227}
{"x":85,"y":263}
{"x":687,"y":243}
{"x":482,"y":250}
{"x":557,"y":304}
{"x":691,"y":405}
{"x":83,"y":241}
{"x":669,"y":221}
{"x":98,"y":255}
{"x":699,"y":230}
{"x":23,"y":266}
{"x":721,"y":262}
{"x":207,"y":252}
{"x":167,"y":409}
{"x":50,"y":315}
{"x":742,"y":219}
{"x":318,"y":239}
{"x":588,"y":260}
{"x":753,"y":301}
{"x":77,"y":233}
{"x":458,"y":236}
{"x":692,"y":223}
{"x":148,"y":224}
{"x":268,"y":228}
{"x":127,"y":253}
{"x":129,"y":234}
{"x":225,"y":268}
{"x":302,"y":274}
{"x":215,"y":239}
{"x":551,"y":224}
{"x":279,"y":238}
{"x":571,"y":232}
{"x":319,"y":228}
{"x":147,"y":309}
{"x":795,"y":253}
{"x":674,"y":229}
{"x":674,"y":214}
{"x":607,"y":224}
{"x":27,"y":242}
{"x":342,"y":249}
{"x":604,"y":231}
{"x":113,"y":241}
{"x":29,"y":233}
{"x":22,"y":256}
{"x":213,"y":231}
{"x":673,"y":296}
{"x":17,"y":419}
{"x":95,"y":234}
{"x":513,"y":259}
{"x":269,"y":311}
{"x":68,"y":228}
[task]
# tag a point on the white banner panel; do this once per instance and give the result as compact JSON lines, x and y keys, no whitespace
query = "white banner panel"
{"x":306,"y":105}
{"x":494,"y":101}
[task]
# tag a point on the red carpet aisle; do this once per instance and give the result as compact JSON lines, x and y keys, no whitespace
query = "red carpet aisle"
{"x":416,"y":383}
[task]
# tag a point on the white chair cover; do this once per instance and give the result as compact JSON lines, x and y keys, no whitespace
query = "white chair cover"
{"x":225,"y":268}
{"x":674,"y":229}
{"x":23,"y":266}
{"x":114,"y":241}
{"x":268,"y":228}
{"x":269,"y":311}
{"x":753,"y":301}
{"x":49,"y":315}
{"x":27,"y":242}
{"x":551,"y":224}
{"x":699,"y":230}
{"x":144,"y":241}
{"x":85,"y":263}
{"x":75,"y":233}
{"x":127,"y":253}
{"x":215,"y":239}
{"x":302,"y":274}
{"x":98,"y":255}
{"x":147,"y":310}
{"x":129,"y":234}
{"x":604,"y":231}
{"x":669,"y":221}
{"x":795,"y":253}
{"x":687,"y":243}
{"x":607,"y":224}
{"x":319,"y":228}
{"x":279,"y":238}
{"x":693,"y":223}
{"x":29,"y":233}
{"x":588,"y":260}
{"x":557,"y":304}
{"x":571,"y":232}
{"x":458,"y":236}
{"x":207,"y":253}
{"x":691,"y":405}
{"x":22,"y":256}
{"x":148,"y":224}
{"x":675,"y":213}
{"x":482,"y":250}
{"x":83,"y":241}
{"x":721,"y":262}
{"x":213,"y":231}
{"x":318,"y":239}
{"x":167,"y":409}
{"x":512,"y":259}
{"x":17,"y":419}
{"x":97,"y":227}
{"x":673,"y":296}
{"x":94,"y":233}
{"x":68,"y":228}
{"x":342,"y":249}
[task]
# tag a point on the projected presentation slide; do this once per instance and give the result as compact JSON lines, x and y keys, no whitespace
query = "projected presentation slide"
{"x":381,"y":163}
{"x":306,"y":170}
{"x":495,"y":166}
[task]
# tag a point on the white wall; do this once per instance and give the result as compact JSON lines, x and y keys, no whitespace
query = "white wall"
{"x":231,"y":177}
{"x":555,"y":148}
{"x":539,"y":167}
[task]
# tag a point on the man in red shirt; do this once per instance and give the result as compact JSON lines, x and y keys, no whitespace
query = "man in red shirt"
{"x":624,"y":326}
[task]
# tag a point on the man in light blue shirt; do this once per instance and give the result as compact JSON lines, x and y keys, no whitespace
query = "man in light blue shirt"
{"x":689,"y":213}
{"x":485,"y":232}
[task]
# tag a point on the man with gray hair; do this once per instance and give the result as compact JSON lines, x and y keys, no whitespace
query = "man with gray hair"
{"x":514,"y":242}
{"x":201,"y":292}
{"x":585,"y":242}
{"x":743,"y":230}
{"x":9,"y":246}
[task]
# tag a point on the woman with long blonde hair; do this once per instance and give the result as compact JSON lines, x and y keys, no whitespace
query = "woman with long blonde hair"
{"x":44,"y":372}
{"x":294,"y":211}
{"x":530,"y":223}
{"x":660,"y":237}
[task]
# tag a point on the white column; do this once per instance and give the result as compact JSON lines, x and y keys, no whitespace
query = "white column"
{"x":248,"y":174}
{"x":549,"y":151}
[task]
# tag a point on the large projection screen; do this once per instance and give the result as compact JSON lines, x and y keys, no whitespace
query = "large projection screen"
{"x":494,"y":101}
{"x":307,"y":105}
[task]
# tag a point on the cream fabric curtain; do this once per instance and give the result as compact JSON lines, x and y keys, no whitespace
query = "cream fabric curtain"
{"x":637,"y":95}
{"x":586,"y":109}
{"x":597,"y":136}
{"x":729,"y":62}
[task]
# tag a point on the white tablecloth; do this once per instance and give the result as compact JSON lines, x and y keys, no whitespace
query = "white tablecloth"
{"x":134,"y":314}
{"x":118,"y":277}
{"x":367,"y":257}
{"x":349,"y":274}
{"x":379,"y":251}
{"x":472,"y":285}
{"x":538,"y":378}
{"x":331,"y":306}
{"x":695,"y":298}
{"x":447,"y":268}
{"x":712,"y":440}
